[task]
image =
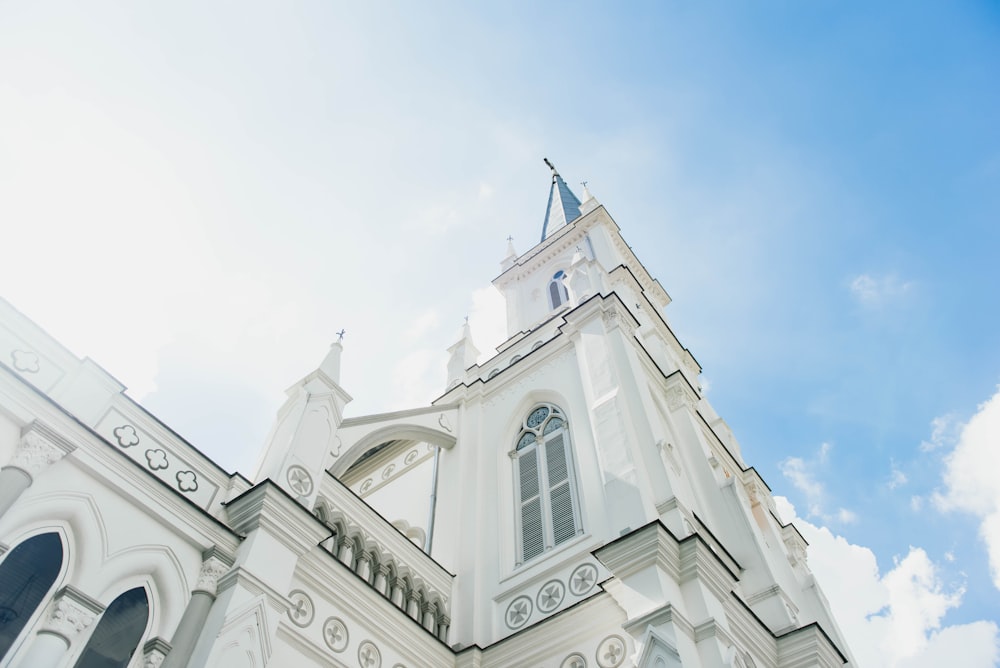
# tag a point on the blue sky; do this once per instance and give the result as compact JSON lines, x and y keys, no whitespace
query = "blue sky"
{"x":198,"y":197}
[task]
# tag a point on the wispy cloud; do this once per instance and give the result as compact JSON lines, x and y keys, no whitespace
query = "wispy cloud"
{"x":878,"y":291}
{"x":803,"y":475}
{"x":945,"y":430}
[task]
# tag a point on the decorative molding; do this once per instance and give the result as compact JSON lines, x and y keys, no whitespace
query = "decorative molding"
{"x":154,"y":652}
{"x":72,"y":612}
{"x":214,"y":565}
{"x":39,"y":448}
{"x":302,"y":611}
{"x":610,"y":652}
{"x":550,"y":596}
{"x":369,"y":656}
{"x":518,"y":612}
{"x":582,"y":579}
{"x":335,"y":634}
{"x":25,"y":361}
{"x":299,"y":480}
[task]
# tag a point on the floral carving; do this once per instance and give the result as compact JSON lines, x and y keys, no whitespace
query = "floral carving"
{"x":387,"y":471}
{"x":302,"y":610}
{"x":335,"y":634}
{"x":126,"y":435}
{"x":156,"y":459}
{"x":25,"y":361}
{"x":35,"y":453}
{"x":299,"y":480}
{"x":69,"y":617}
{"x":366,"y":485}
{"x":411,"y":457}
{"x":574,"y":660}
{"x":212,"y":569}
{"x":187,"y":481}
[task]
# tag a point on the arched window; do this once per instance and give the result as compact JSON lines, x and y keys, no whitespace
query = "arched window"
{"x":117,"y":635}
{"x":27,"y":574}
{"x":558,"y":295}
{"x":548,"y":510}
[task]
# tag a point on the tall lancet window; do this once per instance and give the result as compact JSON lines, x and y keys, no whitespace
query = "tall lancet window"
{"x":548,"y":505}
{"x":117,"y":635}
{"x":558,"y":295}
{"x":27,"y":574}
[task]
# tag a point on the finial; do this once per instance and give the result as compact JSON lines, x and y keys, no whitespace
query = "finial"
{"x":466,"y":320}
{"x":340,"y":334}
{"x":551,"y":166}
{"x":584,"y":183}
{"x":510,"y":237}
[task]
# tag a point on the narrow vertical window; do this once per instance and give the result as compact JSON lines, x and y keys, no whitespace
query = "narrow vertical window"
{"x":27,"y":574}
{"x":558,"y":295}
{"x":119,"y":632}
{"x":548,"y":508}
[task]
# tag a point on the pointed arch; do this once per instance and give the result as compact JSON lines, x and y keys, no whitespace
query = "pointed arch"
{"x":28,"y":575}
{"x":119,"y":632}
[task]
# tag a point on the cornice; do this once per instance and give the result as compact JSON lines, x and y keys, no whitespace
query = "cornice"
{"x":266,"y":506}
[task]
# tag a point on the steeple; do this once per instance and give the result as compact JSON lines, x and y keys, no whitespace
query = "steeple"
{"x":563,"y":206}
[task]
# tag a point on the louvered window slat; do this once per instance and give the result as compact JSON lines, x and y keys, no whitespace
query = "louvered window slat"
{"x":563,"y":522}
{"x":528,"y":468}
{"x":532,"y":534}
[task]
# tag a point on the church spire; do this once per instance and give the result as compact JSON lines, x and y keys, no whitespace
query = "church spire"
{"x":563,"y":206}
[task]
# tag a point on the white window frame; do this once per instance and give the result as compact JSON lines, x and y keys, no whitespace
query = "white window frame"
{"x":544,"y":489}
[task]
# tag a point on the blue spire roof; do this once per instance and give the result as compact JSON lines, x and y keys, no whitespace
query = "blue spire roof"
{"x":563,"y":206}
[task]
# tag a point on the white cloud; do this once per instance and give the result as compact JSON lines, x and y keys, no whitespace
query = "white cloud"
{"x":420,"y":325}
{"x":488,"y":320}
{"x":876,"y":291}
{"x":945,"y":430}
{"x":893,"y":619}
{"x":802,"y":474}
{"x":970,"y":477}
{"x":896,"y":478}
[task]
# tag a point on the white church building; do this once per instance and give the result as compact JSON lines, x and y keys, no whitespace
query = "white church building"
{"x":573,"y":502}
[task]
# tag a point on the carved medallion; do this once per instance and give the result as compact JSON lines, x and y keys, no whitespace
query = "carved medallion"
{"x":335,"y":634}
{"x":368,"y":655}
{"x":518,"y":612}
{"x":550,"y":596}
{"x":583,"y":579}
{"x":611,"y":652}
{"x":302,"y":610}
{"x":299,"y":480}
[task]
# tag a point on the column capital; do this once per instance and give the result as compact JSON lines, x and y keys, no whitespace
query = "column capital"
{"x":214,"y":565}
{"x":154,"y":652}
{"x":40,"y":447}
{"x":72,"y":611}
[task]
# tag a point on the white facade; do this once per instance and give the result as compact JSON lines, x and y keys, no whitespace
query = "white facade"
{"x":581,"y":502}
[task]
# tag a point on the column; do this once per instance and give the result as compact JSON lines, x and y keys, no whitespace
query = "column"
{"x":381,"y":583}
{"x":442,"y":630}
{"x":39,"y":448}
{"x":71,"y":613}
{"x":430,"y":622}
{"x":214,"y":565}
{"x":364,"y":567}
